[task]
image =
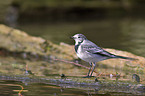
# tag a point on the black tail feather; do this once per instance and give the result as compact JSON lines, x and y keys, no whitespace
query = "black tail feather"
{"x":126,"y":58}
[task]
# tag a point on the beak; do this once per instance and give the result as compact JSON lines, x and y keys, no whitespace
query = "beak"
{"x":72,"y":37}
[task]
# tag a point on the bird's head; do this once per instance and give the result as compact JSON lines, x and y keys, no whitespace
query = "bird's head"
{"x":79,"y":38}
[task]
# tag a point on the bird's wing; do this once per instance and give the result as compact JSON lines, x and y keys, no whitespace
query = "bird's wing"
{"x":94,"y":49}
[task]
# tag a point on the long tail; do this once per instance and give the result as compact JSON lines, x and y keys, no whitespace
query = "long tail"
{"x":126,"y":57}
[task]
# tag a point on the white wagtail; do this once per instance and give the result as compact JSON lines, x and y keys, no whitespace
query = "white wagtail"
{"x":90,"y":52}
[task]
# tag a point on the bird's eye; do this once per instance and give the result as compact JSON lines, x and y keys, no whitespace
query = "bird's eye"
{"x":79,"y":37}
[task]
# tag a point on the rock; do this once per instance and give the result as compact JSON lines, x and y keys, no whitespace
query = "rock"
{"x":124,"y":64}
{"x":18,"y":41}
{"x":135,"y":78}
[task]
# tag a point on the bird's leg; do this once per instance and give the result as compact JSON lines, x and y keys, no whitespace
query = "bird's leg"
{"x":89,"y":71}
{"x":93,"y":68}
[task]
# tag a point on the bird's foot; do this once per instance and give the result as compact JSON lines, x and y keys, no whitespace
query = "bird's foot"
{"x":88,"y":76}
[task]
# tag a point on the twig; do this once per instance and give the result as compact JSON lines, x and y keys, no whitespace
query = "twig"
{"x":73,"y":63}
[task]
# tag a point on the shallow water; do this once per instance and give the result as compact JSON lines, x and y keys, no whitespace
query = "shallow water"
{"x":13,"y":88}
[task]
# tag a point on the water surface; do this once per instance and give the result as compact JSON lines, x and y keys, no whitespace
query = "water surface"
{"x":124,"y":34}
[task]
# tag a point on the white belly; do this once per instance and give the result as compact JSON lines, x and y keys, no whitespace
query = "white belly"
{"x":88,"y":57}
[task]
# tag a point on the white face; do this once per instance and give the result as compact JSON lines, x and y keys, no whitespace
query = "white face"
{"x":79,"y":38}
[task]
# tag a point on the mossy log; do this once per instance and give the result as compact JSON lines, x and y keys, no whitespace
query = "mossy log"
{"x":18,"y":41}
